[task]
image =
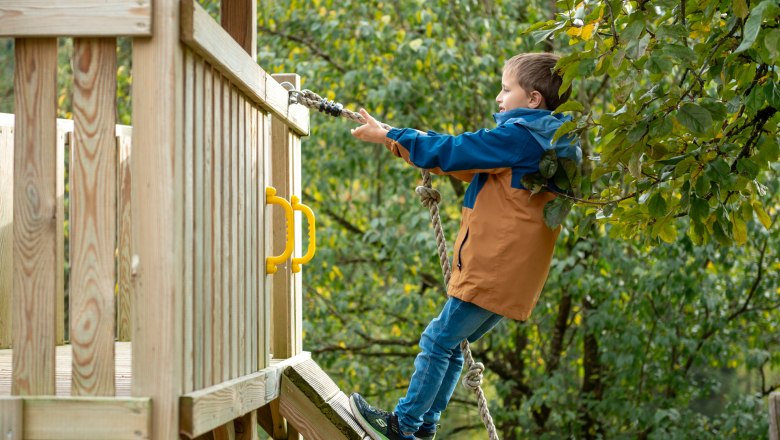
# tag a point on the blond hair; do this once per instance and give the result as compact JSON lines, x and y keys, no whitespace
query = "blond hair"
{"x":536,"y":71}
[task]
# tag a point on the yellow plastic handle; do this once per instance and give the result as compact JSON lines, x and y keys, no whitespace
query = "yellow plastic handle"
{"x":272,"y":199}
{"x":296,"y":262}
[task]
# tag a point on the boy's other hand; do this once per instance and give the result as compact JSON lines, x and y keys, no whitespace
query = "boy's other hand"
{"x":371,"y":130}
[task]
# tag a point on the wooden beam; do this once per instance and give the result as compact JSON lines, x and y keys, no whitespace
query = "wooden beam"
{"x":82,"y":418}
{"x":239,"y":19}
{"x":313,"y":403}
{"x":207,"y":409}
{"x":77,"y":18}
{"x":35,"y":219}
{"x":201,"y":33}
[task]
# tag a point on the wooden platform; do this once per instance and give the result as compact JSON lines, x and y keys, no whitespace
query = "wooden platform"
{"x":122,"y":364}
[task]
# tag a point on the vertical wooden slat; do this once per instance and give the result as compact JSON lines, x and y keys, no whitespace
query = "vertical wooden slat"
{"x":6,"y":232}
{"x":35,"y":203}
{"x":158,"y":229}
{"x":59,"y":282}
{"x":241,"y":236}
{"x":247,"y":312}
{"x":208,"y":183}
{"x":216,"y":258}
{"x":268,"y":230}
{"x":189,"y":214}
{"x":226,"y":231}
{"x":124,"y":226}
{"x":234,"y":262}
{"x":198,"y":315}
{"x":239,"y":19}
{"x":253,"y":184}
{"x":93,"y":217}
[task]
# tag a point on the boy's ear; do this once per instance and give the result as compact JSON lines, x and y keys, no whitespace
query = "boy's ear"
{"x":537,"y":100}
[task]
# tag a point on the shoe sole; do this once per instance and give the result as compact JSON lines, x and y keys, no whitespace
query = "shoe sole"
{"x":364,"y":423}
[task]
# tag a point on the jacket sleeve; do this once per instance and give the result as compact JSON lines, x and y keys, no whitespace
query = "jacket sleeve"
{"x":484,"y":151}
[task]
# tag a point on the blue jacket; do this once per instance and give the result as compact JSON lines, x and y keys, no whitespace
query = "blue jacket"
{"x":503,"y":249}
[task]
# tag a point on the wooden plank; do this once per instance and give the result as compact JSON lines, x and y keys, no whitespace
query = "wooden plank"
{"x":189,"y":221}
{"x":218,"y":355}
{"x":76,"y":18}
{"x":234,"y":236}
{"x":201,"y":33}
{"x":207,"y":235}
{"x":93,"y":217}
{"x":206,"y":409}
{"x":226,"y":231}
{"x":313,"y":403}
{"x":199,"y":189}
{"x":158,"y":227}
{"x":239,"y":19}
{"x":271,"y":420}
{"x":257,"y":346}
{"x":124,"y":230}
{"x":86,"y":418}
{"x":225,"y":432}
{"x":308,"y":420}
{"x":11,"y":417}
{"x":6,"y":232}
{"x":241,"y":164}
{"x":774,"y":416}
{"x":35,"y":220}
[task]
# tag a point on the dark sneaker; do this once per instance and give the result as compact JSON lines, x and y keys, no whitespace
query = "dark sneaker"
{"x":379,"y":424}
{"x":425,"y":434}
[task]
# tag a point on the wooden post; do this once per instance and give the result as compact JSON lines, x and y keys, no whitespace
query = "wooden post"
{"x":286,"y":331}
{"x":35,"y":202}
{"x":157,"y":169}
{"x":239,"y":18}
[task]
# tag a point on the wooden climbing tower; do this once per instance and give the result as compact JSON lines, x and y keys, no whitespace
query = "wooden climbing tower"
{"x":171,"y":323}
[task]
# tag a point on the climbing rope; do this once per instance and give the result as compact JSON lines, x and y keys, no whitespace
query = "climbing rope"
{"x":430,"y":198}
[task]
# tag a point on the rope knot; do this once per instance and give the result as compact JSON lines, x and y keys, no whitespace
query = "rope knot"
{"x":473,"y":378}
{"x":428,"y":196}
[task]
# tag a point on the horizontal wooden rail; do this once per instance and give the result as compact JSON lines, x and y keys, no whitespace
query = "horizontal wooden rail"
{"x":82,"y":418}
{"x":204,"y":410}
{"x":205,"y":36}
{"x":77,"y":18}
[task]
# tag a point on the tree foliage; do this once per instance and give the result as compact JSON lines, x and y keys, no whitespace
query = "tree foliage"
{"x":659,"y":319}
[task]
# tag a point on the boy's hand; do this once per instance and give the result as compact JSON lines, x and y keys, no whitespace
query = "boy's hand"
{"x":371,"y":131}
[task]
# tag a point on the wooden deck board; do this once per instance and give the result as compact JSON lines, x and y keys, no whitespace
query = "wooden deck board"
{"x":122,"y":365}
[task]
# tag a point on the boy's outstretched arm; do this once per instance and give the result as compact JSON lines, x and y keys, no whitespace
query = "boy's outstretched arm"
{"x":371,"y":131}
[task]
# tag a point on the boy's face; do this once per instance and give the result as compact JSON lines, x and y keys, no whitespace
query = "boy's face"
{"x":513,"y":96}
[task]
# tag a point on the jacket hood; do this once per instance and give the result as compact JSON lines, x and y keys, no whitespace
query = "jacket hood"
{"x":543,"y":124}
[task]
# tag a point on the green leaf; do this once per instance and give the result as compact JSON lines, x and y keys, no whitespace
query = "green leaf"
{"x":700,"y":209}
{"x":570,"y":106}
{"x":763,"y":217}
{"x":565,"y":128}
{"x":656,"y":206}
{"x":555,"y":211}
{"x":697,"y":119}
{"x":534,"y":182}
{"x":741,"y":8}
{"x":753,"y":24}
{"x":548,"y":163}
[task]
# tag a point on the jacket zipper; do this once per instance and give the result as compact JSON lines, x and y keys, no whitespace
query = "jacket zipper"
{"x":460,"y":250}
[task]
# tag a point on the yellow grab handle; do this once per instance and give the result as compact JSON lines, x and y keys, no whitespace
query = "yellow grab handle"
{"x":296,"y":262}
{"x":272,"y":199}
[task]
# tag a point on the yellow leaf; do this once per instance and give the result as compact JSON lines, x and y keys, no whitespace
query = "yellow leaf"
{"x":574,"y":31}
{"x":587,"y":31}
{"x":395,"y":331}
{"x":740,"y":230}
{"x":668,"y":233}
{"x":763,"y":217}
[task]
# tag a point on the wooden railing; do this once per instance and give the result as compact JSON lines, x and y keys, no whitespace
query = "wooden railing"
{"x":168,"y":228}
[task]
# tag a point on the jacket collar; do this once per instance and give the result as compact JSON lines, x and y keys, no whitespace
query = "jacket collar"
{"x":528,"y":114}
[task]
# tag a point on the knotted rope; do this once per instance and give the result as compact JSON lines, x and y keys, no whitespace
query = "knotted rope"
{"x":430,"y":198}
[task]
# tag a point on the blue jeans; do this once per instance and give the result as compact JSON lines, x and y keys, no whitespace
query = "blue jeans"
{"x":437,"y":368}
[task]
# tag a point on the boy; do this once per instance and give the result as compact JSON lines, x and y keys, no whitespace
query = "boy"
{"x":503,"y":249}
